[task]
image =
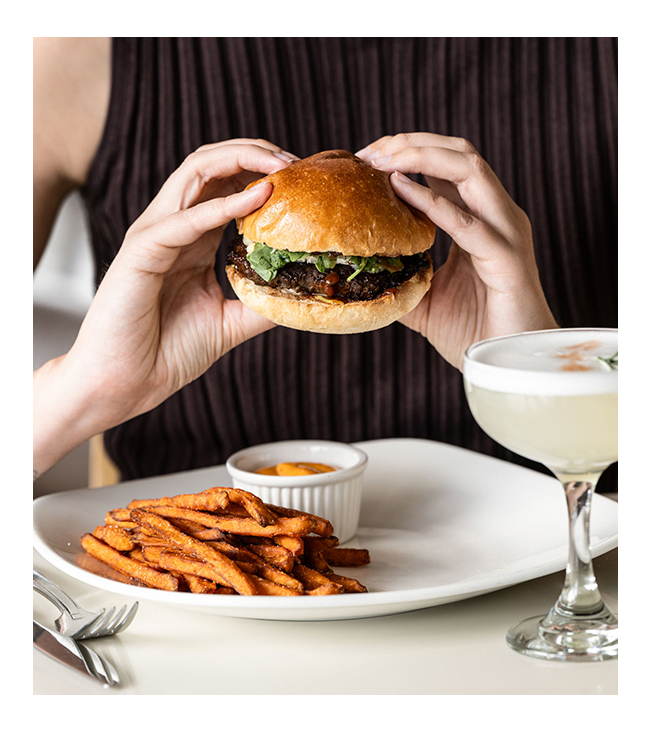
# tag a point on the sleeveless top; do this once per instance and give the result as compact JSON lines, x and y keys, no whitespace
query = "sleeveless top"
{"x":542,"y":112}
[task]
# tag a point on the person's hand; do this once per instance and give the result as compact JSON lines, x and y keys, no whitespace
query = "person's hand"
{"x":159,"y":318}
{"x":489,"y":285}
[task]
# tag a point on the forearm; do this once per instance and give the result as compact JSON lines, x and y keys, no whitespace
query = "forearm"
{"x":65,"y":413}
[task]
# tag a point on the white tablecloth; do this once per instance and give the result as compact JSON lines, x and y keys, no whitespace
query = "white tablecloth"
{"x":450,"y":649}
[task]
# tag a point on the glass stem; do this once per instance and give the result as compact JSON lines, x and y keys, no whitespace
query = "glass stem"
{"x":580,"y":595}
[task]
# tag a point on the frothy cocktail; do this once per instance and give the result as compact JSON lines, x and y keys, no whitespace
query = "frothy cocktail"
{"x":550,"y":396}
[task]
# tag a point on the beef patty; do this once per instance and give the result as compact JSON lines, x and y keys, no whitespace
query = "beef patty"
{"x":305,"y":279}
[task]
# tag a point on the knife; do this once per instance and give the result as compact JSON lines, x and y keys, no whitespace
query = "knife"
{"x":75,"y":656}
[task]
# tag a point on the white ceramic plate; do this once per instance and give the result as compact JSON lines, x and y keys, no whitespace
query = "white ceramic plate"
{"x":441,"y":523}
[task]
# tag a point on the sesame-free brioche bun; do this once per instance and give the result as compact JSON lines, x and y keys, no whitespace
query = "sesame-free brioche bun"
{"x":334,"y":201}
{"x":336,"y":318}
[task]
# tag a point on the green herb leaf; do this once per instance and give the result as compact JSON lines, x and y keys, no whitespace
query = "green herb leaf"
{"x":294,"y":256}
{"x":267,"y":261}
{"x":392,"y":264}
{"x":611,"y":363}
{"x":360,"y":263}
{"x":324,"y":262}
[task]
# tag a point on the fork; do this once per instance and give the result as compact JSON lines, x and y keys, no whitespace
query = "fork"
{"x":75,"y":621}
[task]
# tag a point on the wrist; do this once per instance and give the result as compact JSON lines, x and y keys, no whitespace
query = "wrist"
{"x":64,"y":414}
{"x":533,"y":305}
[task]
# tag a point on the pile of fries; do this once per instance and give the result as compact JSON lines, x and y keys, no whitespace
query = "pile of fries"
{"x":221,"y":541}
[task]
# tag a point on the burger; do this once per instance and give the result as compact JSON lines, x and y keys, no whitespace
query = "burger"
{"x":333,"y":249}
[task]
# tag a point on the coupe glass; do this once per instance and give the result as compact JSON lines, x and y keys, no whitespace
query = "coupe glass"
{"x":551,"y":396}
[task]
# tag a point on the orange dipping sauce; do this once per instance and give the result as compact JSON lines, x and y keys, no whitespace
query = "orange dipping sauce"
{"x":293,"y":469}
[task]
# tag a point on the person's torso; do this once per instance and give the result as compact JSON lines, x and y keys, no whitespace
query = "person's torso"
{"x":542,"y":112}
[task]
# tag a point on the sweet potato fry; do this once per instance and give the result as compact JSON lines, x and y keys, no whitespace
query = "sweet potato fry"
{"x":237,"y":553}
{"x":151,"y":554}
{"x":314,"y":558}
{"x":178,"y":515}
{"x":300,"y":525}
{"x":317,"y":543}
{"x":348,"y":583}
{"x":249,"y":541}
{"x":146,"y":539}
{"x":116,"y":536}
{"x":199,"y":585}
{"x":131,"y":567}
{"x":321,"y":526}
{"x":273,"y":574}
{"x":247,"y":567}
{"x":294,"y":544}
{"x":120,"y":517}
{"x":346,"y":557}
{"x":310,"y":578}
{"x":193,"y":528}
{"x":254,"y":506}
{"x":211,"y":500}
{"x":186,"y":566}
{"x":232,"y":524}
{"x":205,"y":534}
{"x":329,"y":588}
{"x":138,"y":554}
{"x":276,"y":555}
{"x":232,"y":575}
{"x":266,"y":587}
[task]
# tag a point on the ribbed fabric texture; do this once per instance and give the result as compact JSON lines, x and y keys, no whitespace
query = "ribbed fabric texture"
{"x":542,"y":112}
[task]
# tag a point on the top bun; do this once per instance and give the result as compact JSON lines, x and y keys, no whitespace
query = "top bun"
{"x":335,"y":202}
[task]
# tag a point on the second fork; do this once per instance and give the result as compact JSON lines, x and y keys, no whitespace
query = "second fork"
{"x":75,"y":621}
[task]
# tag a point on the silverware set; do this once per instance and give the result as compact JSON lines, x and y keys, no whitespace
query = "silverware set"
{"x":77,"y":624}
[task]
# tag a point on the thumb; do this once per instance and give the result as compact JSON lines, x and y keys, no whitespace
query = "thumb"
{"x":239,"y":323}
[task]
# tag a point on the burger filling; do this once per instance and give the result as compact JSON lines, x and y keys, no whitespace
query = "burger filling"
{"x":324,"y":275}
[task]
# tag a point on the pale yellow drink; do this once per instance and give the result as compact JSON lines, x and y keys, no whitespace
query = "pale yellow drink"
{"x":568,"y":434}
{"x":555,"y":402}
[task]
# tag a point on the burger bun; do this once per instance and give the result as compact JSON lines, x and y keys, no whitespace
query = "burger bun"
{"x":335,"y":202}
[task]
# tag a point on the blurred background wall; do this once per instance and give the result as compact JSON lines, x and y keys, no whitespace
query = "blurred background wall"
{"x":63,"y":290}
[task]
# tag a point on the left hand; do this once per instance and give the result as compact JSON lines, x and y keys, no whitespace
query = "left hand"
{"x":159,"y":318}
{"x":489,"y":285}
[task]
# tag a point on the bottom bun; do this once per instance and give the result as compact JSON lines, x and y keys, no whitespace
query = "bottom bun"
{"x":336,"y":318}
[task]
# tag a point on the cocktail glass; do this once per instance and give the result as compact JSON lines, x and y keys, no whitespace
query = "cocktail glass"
{"x":551,"y":396}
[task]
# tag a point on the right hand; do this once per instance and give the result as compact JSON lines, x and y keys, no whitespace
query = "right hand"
{"x":489,"y":285}
{"x":159,"y":318}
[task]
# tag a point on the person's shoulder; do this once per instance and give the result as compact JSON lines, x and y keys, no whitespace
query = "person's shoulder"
{"x":72,"y":79}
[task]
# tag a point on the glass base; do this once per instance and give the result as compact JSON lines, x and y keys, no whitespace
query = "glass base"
{"x":561,"y":637}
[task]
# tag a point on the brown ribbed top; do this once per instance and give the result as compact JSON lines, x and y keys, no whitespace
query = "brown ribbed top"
{"x":542,"y":112}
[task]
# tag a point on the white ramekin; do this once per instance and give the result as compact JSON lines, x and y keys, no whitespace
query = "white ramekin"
{"x":336,"y":496}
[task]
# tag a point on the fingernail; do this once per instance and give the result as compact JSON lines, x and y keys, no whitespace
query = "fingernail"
{"x":363,"y":152}
{"x":287,"y":157}
{"x":402,"y":178}
{"x":379,"y":161}
{"x":256,"y":187}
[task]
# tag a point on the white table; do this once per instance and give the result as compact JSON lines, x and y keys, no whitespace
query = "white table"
{"x":457,"y":648}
